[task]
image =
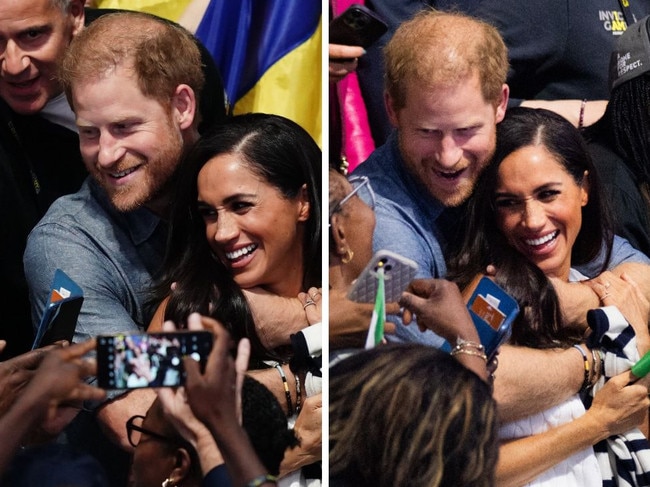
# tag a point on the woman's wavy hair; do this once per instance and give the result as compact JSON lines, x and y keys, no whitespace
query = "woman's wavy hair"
{"x":540,"y":321}
{"x":407,"y":414}
{"x":281,"y":153}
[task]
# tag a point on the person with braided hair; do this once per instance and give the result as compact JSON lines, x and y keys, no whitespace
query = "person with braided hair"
{"x":619,"y":142}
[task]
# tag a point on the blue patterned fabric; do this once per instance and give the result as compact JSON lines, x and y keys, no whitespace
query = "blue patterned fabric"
{"x":624,"y":459}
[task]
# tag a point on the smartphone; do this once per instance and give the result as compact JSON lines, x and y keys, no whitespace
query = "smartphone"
{"x":357,"y":26}
{"x":133,"y":361}
{"x":398,"y":273}
{"x":59,"y":318}
{"x":492,"y":310}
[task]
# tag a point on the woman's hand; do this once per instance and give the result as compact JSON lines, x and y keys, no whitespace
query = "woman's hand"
{"x":624,"y":293}
{"x":312,"y":302}
{"x":309,"y":432}
{"x":619,"y":407}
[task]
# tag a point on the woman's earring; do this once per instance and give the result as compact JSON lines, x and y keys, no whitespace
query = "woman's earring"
{"x":349,"y":255}
{"x":168,"y":483}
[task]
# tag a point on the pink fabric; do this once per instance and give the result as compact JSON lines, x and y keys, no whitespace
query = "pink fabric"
{"x":357,"y":140}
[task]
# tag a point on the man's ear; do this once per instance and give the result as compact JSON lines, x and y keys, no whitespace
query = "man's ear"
{"x":391,"y":108}
{"x":77,"y":15}
{"x":503,"y":103}
{"x":184,"y":106}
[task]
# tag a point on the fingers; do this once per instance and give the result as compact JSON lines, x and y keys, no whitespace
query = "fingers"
{"x":243,"y":356}
{"x":422,"y":287}
{"x":169,"y":326}
{"x":635,"y":287}
{"x":340,"y":52}
{"x":78,"y":350}
{"x":412,"y":303}
{"x":241,"y":366}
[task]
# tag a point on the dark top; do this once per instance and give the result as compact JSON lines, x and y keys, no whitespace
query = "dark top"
{"x":630,"y":211}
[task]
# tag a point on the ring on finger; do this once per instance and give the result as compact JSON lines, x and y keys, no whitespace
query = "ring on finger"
{"x":309,"y":302}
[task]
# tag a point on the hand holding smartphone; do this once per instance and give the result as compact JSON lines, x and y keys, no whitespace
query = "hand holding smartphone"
{"x":133,"y":361}
{"x":492,"y":310}
{"x":357,"y":26}
{"x":59,"y":318}
{"x":398,"y":273}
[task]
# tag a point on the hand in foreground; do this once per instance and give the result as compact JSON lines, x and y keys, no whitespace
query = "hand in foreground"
{"x":309,"y":432}
{"x":624,"y":293}
{"x":439,"y":307}
{"x":223,"y":377}
{"x":619,"y":407}
{"x":59,"y":384}
{"x":16,"y":372}
{"x":343,"y":60}
{"x":177,"y":410}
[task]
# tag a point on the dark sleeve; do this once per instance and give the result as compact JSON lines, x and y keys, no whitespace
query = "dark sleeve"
{"x":217,"y":477}
{"x":535,"y":33}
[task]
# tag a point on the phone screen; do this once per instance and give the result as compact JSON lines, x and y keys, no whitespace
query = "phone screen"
{"x":127,"y":361}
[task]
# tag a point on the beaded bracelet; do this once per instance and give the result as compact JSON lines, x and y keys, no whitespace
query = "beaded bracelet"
{"x":261,"y":480}
{"x":586,"y":384}
{"x":287,"y":392}
{"x":298,"y":393}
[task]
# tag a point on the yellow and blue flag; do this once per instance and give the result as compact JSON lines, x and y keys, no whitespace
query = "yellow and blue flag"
{"x":268,"y":51}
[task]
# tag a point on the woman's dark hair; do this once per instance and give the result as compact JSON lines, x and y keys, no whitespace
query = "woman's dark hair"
{"x":408,"y":414}
{"x":626,"y":125}
{"x":266,"y":424}
{"x":280,"y":152}
{"x":539,"y":323}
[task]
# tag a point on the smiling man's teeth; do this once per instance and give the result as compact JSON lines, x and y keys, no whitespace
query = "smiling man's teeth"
{"x":449,"y":175}
{"x":542,"y":240}
{"x":241,"y":252}
{"x":117,"y":175}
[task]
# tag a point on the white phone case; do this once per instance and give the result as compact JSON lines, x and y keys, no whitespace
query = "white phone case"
{"x":398,"y":273}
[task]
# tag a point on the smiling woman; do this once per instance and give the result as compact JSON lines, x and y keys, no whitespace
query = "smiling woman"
{"x":251,"y":189}
{"x":536,"y":213}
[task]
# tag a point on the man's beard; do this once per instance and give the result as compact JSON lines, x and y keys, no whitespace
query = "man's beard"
{"x":154,"y":189}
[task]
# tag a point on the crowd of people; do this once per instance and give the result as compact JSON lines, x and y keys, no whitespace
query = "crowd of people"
{"x":499,"y":153}
{"x":123,"y":166}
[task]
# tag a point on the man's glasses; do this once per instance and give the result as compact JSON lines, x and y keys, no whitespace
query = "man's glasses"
{"x":135,"y":431}
{"x":360,"y":186}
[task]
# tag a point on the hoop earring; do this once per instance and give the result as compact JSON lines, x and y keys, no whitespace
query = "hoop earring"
{"x":349,"y":255}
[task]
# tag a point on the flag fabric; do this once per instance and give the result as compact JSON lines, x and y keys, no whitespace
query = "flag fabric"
{"x":269,"y":52}
{"x":376,"y":330}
